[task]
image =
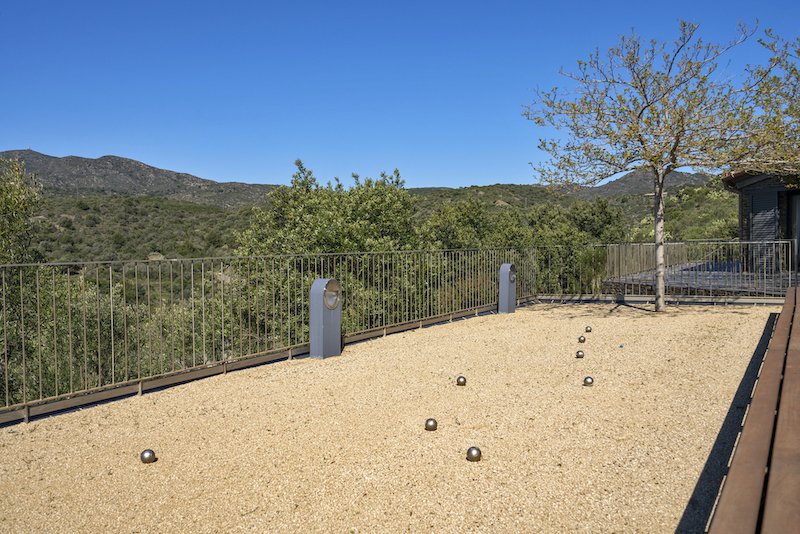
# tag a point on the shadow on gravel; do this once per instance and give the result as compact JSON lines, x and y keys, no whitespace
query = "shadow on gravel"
{"x":698,"y":509}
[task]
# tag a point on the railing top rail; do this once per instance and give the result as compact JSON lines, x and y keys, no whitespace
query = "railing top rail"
{"x":367,"y":253}
{"x":271,"y":256}
{"x":699,"y":242}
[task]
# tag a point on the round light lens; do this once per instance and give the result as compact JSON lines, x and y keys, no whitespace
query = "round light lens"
{"x":332,"y":295}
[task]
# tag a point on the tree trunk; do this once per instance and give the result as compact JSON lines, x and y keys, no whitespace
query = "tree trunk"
{"x":658,"y":218}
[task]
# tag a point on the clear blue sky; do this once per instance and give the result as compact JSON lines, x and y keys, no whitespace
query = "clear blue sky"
{"x":233,"y":90}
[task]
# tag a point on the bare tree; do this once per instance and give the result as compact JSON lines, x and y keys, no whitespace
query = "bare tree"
{"x":648,"y":104}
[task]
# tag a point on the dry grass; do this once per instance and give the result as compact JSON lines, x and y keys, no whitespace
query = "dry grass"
{"x":339,"y":445}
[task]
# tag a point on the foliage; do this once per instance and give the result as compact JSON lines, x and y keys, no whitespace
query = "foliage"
{"x":775,"y":148}
{"x":19,"y":200}
{"x":305,"y":217}
{"x":461,"y":224}
{"x":108,"y":228}
{"x":470,"y":224}
{"x":708,"y":212}
{"x":493,"y":197}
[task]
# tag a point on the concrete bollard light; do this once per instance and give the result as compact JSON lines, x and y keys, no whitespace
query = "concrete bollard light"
{"x":326,"y":318}
{"x":507,"y":302}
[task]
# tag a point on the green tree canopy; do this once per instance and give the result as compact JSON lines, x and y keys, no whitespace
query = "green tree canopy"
{"x":19,"y":200}
{"x":470,"y":224}
{"x":460,"y":224}
{"x":372,"y":215}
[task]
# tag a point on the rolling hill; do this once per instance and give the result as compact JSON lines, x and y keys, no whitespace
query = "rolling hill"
{"x":114,"y":208}
{"x":113,"y":175}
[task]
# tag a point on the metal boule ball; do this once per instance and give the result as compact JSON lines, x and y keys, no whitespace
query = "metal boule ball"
{"x":461,"y":381}
{"x":588,"y":381}
{"x":430,"y":424}
{"x":474,"y":454}
{"x":147,"y":456}
{"x":581,"y":339}
{"x":579,"y":354}
{"x":588,"y":329}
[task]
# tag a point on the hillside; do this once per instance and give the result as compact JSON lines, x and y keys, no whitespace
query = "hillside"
{"x":640,"y":182}
{"x":112,"y":228}
{"x":115,"y":208}
{"x":496,"y":196}
{"x":113,"y":175}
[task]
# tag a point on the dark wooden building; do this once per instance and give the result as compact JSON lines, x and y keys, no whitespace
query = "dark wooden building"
{"x":768,"y":210}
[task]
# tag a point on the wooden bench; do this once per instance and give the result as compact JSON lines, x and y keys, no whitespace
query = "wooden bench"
{"x":761,"y":492}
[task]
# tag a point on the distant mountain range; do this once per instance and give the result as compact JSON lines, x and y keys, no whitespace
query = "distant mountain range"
{"x":113,"y":175}
{"x":640,"y":182}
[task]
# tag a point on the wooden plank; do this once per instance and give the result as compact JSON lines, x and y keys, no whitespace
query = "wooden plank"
{"x":782,"y":502}
{"x":740,"y":500}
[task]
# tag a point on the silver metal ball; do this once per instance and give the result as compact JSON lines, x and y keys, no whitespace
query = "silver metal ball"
{"x":581,"y":339}
{"x":147,"y":456}
{"x":588,"y":329}
{"x":474,"y":454}
{"x":579,"y":354}
{"x":461,"y":381}
{"x":431,"y":424}
{"x":588,"y":381}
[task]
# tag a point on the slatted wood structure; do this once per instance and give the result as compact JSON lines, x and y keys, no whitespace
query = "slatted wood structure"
{"x":761,"y":492}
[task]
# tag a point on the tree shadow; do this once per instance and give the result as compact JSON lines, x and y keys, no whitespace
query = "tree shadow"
{"x":698,"y":509}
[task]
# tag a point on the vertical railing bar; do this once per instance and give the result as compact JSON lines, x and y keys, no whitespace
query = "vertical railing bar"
{"x":111,"y":327}
{"x":138,"y":321}
{"x":22,"y":337}
{"x":69,"y":330}
{"x":222,"y":356}
{"x":39,"y":329}
{"x":256,"y":303}
{"x":251,"y":294}
{"x":149,"y":340}
{"x":179,"y":313}
{"x":161,"y":350}
{"x":203,"y":308}
{"x":276,"y":333}
{"x":233,"y":304}
{"x":85,"y":372}
{"x":211,"y":313}
{"x":97,"y":316}
{"x":289,"y":304}
{"x":124,"y":323}
{"x":238,"y":289}
{"x":194,"y":319}
{"x":6,"y":371}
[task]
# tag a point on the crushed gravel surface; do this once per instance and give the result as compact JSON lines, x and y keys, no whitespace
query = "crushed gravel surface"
{"x":339,"y":445}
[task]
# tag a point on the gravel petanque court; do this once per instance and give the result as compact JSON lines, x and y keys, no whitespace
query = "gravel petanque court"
{"x":340,"y":445}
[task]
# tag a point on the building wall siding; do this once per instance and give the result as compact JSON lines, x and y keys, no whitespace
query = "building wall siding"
{"x":764,"y":222}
